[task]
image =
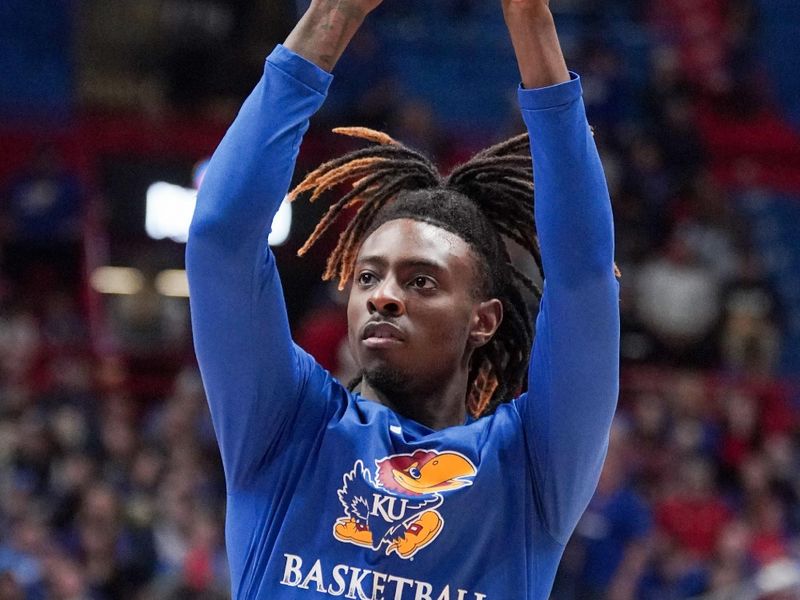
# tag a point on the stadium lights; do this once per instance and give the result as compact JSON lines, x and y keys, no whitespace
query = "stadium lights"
{"x":117,"y":280}
{"x":172,"y":283}
{"x":169,"y":209}
{"x":127,"y":281}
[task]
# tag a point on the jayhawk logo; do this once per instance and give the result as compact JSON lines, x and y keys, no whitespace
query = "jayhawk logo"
{"x":397,"y":510}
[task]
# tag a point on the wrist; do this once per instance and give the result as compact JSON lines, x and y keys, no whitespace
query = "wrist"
{"x":340,"y":10}
{"x":324,"y":31}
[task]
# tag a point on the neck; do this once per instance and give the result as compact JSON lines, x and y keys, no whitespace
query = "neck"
{"x":437,"y":408}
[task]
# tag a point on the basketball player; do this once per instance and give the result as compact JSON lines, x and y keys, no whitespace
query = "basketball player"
{"x":429,"y":479}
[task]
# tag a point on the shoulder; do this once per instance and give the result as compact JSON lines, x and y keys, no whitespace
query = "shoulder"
{"x":503,"y":428}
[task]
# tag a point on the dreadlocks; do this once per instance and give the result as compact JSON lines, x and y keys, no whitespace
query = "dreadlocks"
{"x":482,"y":201}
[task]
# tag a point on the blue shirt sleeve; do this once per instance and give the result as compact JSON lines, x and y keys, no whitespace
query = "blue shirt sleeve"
{"x":256,"y":379}
{"x":574,"y":372}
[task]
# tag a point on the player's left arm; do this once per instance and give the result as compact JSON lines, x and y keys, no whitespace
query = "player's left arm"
{"x":574,"y":371}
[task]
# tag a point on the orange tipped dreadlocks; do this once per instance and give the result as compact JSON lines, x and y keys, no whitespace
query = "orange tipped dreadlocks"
{"x":482,"y":201}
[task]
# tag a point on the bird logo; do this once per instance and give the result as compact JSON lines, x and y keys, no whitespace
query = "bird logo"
{"x":396,"y":510}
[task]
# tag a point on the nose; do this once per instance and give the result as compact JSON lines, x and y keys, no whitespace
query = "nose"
{"x":386,"y":300}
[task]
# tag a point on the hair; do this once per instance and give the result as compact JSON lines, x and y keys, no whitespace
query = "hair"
{"x":485,"y":201}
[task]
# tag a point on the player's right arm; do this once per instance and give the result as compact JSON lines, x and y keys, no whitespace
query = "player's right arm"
{"x":254,"y":375}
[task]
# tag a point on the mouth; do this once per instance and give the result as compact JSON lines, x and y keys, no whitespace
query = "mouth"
{"x":381,"y":335}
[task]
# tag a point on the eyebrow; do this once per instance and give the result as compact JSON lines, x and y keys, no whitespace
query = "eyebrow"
{"x":408,"y":262}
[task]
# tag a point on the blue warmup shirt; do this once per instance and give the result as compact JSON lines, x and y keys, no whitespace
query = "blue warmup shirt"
{"x":333,"y":495}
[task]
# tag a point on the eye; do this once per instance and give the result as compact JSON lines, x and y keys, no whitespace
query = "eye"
{"x":365,"y":278}
{"x":414,"y":472}
{"x":423,"y":282}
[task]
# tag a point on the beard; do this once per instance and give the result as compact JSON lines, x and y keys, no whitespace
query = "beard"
{"x":389,"y":381}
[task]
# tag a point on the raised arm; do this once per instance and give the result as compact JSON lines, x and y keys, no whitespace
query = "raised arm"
{"x":533,"y":35}
{"x":573,"y":378}
{"x":254,"y":375}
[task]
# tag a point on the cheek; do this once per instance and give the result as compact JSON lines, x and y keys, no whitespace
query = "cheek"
{"x":448,"y":328}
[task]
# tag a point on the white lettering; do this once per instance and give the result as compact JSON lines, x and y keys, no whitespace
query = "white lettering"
{"x":378,"y":585}
{"x":402,"y":582}
{"x":378,"y":507}
{"x":354,"y":580}
{"x":355,"y":583}
{"x":338,"y":571}
{"x":423,"y":591}
{"x":292,"y":568}
{"x":315,"y":575}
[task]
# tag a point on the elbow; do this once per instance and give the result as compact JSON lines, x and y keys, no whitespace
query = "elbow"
{"x":594,"y":274}
{"x":207,"y":220}
{"x":206,"y":244}
{"x":201,"y":231}
{"x":202,"y":234}
{"x":599,"y":263}
{"x":213,"y":228}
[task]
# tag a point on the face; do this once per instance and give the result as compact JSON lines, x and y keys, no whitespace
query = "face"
{"x":413,"y":316}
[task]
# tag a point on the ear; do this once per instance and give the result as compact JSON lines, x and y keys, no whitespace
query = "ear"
{"x":485,"y":320}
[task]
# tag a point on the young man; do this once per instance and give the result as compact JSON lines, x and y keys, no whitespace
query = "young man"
{"x":392,"y":491}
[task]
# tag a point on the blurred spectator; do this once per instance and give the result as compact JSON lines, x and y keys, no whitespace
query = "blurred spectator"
{"x":614,"y":532}
{"x":770,"y":540}
{"x":647,"y":177}
{"x":678,"y":136}
{"x":691,"y":518}
{"x":706,"y":224}
{"x":731,"y":563}
{"x":693,"y":514}
{"x":66,"y":580}
{"x":10,"y":589}
{"x":678,"y":300}
{"x":741,"y":429}
{"x":750,"y":340}
{"x":21,"y":555}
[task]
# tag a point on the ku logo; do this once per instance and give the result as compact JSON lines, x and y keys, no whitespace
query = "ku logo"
{"x":397,"y":511}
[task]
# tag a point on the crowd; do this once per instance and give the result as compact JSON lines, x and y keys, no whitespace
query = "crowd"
{"x":108,"y":495}
{"x":102,"y":497}
{"x":699,"y":496}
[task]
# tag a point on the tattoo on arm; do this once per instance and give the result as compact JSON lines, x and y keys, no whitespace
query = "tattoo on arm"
{"x":325,"y":30}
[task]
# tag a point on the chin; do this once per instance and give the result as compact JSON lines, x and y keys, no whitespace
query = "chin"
{"x":388,"y":380}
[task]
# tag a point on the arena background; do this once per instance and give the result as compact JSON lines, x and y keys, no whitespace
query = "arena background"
{"x":110,"y":481}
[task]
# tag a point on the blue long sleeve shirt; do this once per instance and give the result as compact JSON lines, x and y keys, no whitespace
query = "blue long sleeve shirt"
{"x":333,"y":495}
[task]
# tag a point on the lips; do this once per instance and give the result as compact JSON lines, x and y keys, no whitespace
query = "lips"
{"x":381,"y":334}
